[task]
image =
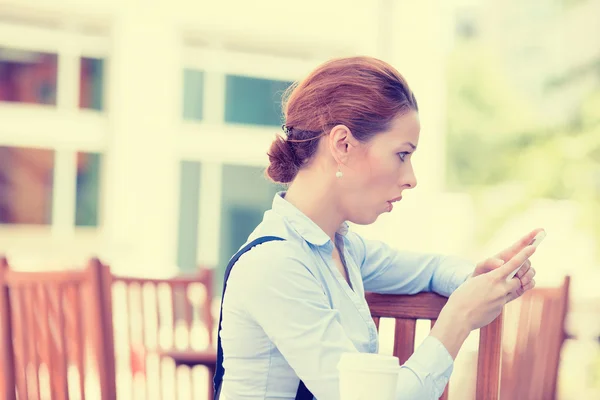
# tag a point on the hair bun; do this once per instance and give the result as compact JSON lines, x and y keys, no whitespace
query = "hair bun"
{"x":283,"y":161}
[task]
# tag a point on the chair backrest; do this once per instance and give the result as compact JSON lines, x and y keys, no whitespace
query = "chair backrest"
{"x":531,"y":361}
{"x":161,"y":315}
{"x":56,"y":333}
{"x":407,"y":309}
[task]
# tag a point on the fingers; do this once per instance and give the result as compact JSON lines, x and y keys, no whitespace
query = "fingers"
{"x":504,"y":271}
{"x":513,"y":250}
{"x":519,"y":291}
{"x":514,"y":290}
{"x":524,"y":269}
{"x":529,"y":286}
{"x":513,"y":286}
{"x":527,"y":277}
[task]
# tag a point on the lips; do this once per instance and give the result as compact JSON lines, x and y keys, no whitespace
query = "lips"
{"x":391,"y":203}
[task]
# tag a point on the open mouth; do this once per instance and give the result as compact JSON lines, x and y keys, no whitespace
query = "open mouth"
{"x":391,"y":202}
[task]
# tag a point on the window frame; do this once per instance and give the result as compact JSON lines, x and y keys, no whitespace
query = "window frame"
{"x":65,"y":128}
{"x":215,"y":143}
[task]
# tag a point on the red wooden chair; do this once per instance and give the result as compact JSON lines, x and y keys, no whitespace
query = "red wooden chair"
{"x":179,"y":310}
{"x":56,"y":333}
{"x":407,"y":309}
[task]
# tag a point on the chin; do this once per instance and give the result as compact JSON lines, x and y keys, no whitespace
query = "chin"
{"x":365,"y":219}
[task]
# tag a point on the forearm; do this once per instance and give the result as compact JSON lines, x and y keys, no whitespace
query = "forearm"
{"x":451,"y":331}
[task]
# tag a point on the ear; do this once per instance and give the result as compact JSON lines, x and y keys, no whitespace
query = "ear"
{"x":341,"y":143}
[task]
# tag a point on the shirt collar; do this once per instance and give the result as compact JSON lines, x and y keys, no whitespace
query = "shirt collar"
{"x":306,"y":227}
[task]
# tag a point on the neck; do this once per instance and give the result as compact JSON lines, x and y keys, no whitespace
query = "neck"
{"x":312,"y":195}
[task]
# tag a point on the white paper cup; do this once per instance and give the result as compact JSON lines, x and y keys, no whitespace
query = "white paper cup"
{"x":365,"y":376}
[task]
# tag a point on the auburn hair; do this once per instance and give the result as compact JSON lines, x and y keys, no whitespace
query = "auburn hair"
{"x":363,"y":93}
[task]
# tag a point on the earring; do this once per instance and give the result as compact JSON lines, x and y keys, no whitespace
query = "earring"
{"x":338,"y":174}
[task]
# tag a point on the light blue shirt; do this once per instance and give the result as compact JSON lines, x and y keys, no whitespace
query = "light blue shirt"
{"x":289,"y":314}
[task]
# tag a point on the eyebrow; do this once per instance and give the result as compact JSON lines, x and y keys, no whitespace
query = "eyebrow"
{"x":411,"y":145}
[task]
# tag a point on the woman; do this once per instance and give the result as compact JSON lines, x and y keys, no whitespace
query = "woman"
{"x":294,"y":305}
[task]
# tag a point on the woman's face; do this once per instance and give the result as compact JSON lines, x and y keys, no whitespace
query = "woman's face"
{"x":376,"y":173}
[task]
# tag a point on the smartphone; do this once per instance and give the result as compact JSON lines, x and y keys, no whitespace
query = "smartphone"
{"x":535,"y":242}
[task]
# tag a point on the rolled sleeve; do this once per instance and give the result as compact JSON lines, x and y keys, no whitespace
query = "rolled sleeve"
{"x":432,"y":365}
{"x":390,"y":271}
{"x":452,"y":271}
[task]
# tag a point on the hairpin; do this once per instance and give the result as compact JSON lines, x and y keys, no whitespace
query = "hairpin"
{"x":286,"y":129}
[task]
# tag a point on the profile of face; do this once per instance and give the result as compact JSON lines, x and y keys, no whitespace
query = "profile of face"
{"x":375,"y":173}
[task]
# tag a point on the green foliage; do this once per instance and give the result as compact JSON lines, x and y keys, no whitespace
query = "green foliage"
{"x":496,"y":136}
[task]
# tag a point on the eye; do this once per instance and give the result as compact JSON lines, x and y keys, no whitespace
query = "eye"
{"x":403,"y":155}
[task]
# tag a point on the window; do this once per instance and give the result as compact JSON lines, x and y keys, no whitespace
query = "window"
{"x":88,"y":189}
{"x":193,"y":94}
{"x":26,"y":185}
{"x":91,"y":93}
{"x":50,"y":153}
{"x":27,"y":76}
{"x":189,"y":198}
{"x":236,"y":96}
{"x":246,"y":195}
{"x":253,"y":101}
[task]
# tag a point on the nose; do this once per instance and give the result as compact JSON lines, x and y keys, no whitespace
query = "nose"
{"x":409,"y":179}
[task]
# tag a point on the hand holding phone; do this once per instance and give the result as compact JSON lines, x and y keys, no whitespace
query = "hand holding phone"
{"x":535,"y":242}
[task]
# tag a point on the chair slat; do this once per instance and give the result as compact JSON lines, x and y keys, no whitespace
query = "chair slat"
{"x":19,"y":344}
{"x":404,"y":339}
{"x":25,"y":347}
{"x":7,"y":356}
{"x":47,"y":342}
{"x":64,"y":350}
{"x":130,"y":320}
{"x":30,"y":318}
{"x":143,"y":320}
{"x":80,"y":341}
{"x":489,"y":360}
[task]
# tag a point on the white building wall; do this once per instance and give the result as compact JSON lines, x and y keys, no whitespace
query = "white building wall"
{"x":142,"y":134}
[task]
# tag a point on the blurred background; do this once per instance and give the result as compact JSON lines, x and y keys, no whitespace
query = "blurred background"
{"x":137,"y":132}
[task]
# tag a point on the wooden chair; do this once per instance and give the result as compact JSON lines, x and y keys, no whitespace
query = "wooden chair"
{"x":179,"y":311}
{"x":407,"y":309}
{"x":531,"y":360}
{"x":56,"y":334}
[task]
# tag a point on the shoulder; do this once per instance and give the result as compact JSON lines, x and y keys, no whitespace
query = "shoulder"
{"x":279,"y":262}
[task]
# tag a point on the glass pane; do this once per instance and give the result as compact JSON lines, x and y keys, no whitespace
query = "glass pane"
{"x":193,"y":94}
{"x":88,"y":189}
{"x":27,"y":76}
{"x":189,"y":197}
{"x":246,"y":195}
{"x":253,"y":100}
{"x":91,"y":84}
{"x":26,"y":180}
